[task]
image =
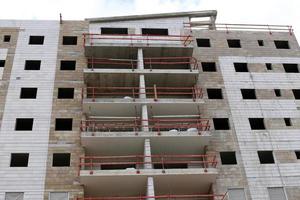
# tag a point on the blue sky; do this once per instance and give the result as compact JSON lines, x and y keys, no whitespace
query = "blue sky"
{"x":229,"y":11}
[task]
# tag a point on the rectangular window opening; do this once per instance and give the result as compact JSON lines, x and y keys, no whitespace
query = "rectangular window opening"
{"x":19,"y":159}
{"x":59,"y":196}
{"x":114,"y":31}
{"x":234,"y":43}
{"x":228,"y":158}
{"x":63,"y":124}
{"x":61,"y":160}
{"x":14,"y":195}
{"x":236,"y":194}
{"x":6,"y":38}
{"x":248,"y":93}
{"x":69,"y":40}
{"x":296,"y":93}
{"x":214,"y":93}
{"x":28,"y":93}
{"x":288,"y":121}
{"x":67,"y":65}
{"x":2,"y":63}
{"x":32,"y":65}
{"x":276,"y":193}
{"x":265,"y":157}
{"x":155,"y":31}
{"x":277,"y":92}
{"x":260,"y":43}
{"x":290,"y":68}
{"x":257,"y":123}
{"x":24,"y":124}
{"x":281,"y":44}
{"x":203,"y":42}
{"x":297,"y":153}
{"x":65,"y":93}
{"x":221,"y":123}
{"x":269,"y":66}
{"x":36,"y":40}
{"x":240,"y":67}
{"x":208,"y":66}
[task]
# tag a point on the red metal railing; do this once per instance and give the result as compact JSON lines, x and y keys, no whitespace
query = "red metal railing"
{"x":136,"y":125}
{"x":94,"y":38}
{"x":149,"y":63}
{"x":150,"y":92}
{"x":167,"y":196}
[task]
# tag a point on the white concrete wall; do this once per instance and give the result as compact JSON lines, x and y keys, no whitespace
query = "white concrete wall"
{"x":3,"y":55}
{"x":31,"y":179}
{"x":267,"y":175}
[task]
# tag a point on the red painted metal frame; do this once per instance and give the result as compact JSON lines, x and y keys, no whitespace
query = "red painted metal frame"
{"x":138,"y":124}
{"x":94,"y":38}
{"x":151,"y":92}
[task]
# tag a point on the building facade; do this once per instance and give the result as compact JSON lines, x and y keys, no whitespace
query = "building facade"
{"x":160,"y":106}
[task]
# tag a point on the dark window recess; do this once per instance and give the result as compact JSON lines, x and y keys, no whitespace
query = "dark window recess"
{"x":2,"y":63}
{"x":288,"y":121}
{"x":221,"y":123}
{"x":201,"y":42}
{"x":19,"y":159}
{"x":28,"y":93}
{"x":240,"y":67}
{"x":228,"y":158}
{"x":233,"y":43}
{"x":277,"y":92}
{"x":209,"y":67}
{"x":257,"y":123}
{"x":61,"y":159}
{"x":6,"y":38}
{"x":248,"y":93}
{"x":36,"y":40}
{"x":290,"y":68}
{"x":116,"y":31}
{"x":67,"y":65}
{"x":65,"y":93}
{"x":296,"y":93}
{"x":155,"y":31}
{"x":265,"y":157}
{"x":269,"y":66}
{"x":260,"y":43}
{"x":63,"y":124}
{"x":297,"y":154}
{"x":24,"y":124}
{"x":281,"y":44}
{"x":214,"y":93}
{"x":69,"y":40}
{"x":32,"y":65}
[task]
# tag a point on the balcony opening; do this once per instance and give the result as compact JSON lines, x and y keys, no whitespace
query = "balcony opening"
{"x":288,"y":121}
{"x":24,"y":124}
{"x":214,"y":93}
{"x":257,"y":123}
{"x":260,"y":43}
{"x":269,"y":66}
{"x":69,"y":40}
{"x":228,"y":158}
{"x":61,"y":160}
{"x":277,"y":92}
{"x":28,"y":93}
{"x":221,"y":123}
{"x":248,"y":93}
{"x":281,"y":44}
{"x":203,"y":42}
{"x":6,"y":38}
{"x":67,"y":65}
{"x":114,"y":31}
{"x":297,"y":153}
{"x":241,"y":67}
{"x":155,"y":31}
{"x":19,"y":159}
{"x":32,"y":65}
{"x":234,"y":43}
{"x":117,"y":167}
{"x":296,"y":93}
{"x":63,"y":124}
{"x":291,"y":68}
{"x":36,"y":40}
{"x":265,"y":157}
{"x":171,"y":166}
{"x":65,"y":93}
{"x":208,"y":66}
{"x":2,"y":63}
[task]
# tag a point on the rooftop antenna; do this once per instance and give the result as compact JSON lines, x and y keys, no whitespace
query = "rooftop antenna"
{"x":60,"y":18}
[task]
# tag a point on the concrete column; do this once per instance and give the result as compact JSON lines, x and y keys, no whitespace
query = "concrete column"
{"x":145,"y":122}
{"x":147,"y":154}
{"x":150,"y":188}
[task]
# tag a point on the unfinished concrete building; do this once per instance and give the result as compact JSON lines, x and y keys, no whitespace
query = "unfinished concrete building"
{"x":160,"y":106}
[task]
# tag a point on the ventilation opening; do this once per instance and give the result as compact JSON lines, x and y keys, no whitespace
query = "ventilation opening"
{"x":65,"y":93}
{"x":296,"y":93}
{"x":221,"y":123}
{"x":19,"y":159}
{"x":28,"y":93}
{"x":208,"y":66}
{"x":6,"y":38}
{"x":117,"y":167}
{"x":32,"y":65}
{"x":297,"y":153}
{"x":201,"y":42}
{"x":234,"y":43}
{"x":257,"y":123}
{"x":69,"y":40}
{"x":228,"y":158}
{"x":269,"y":66}
{"x":67,"y":65}
{"x":248,"y":93}
{"x":2,"y":63}
{"x":265,"y":157}
{"x":214,"y":93}
{"x":281,"y":44}
{"x":24,"y":124}
{"x":260,"y":43}
{"x":155,"y":31}
{"x":288,"y":121}
{"x":240,"y":67}
{"x":291,"y":68}
{"x":36,"y":40}
{"x":63,"y":124}
{"x":277,"y":92}
{"x":114,"y":31}
{"x":171,"y":166}
{"x":61,"y":159}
